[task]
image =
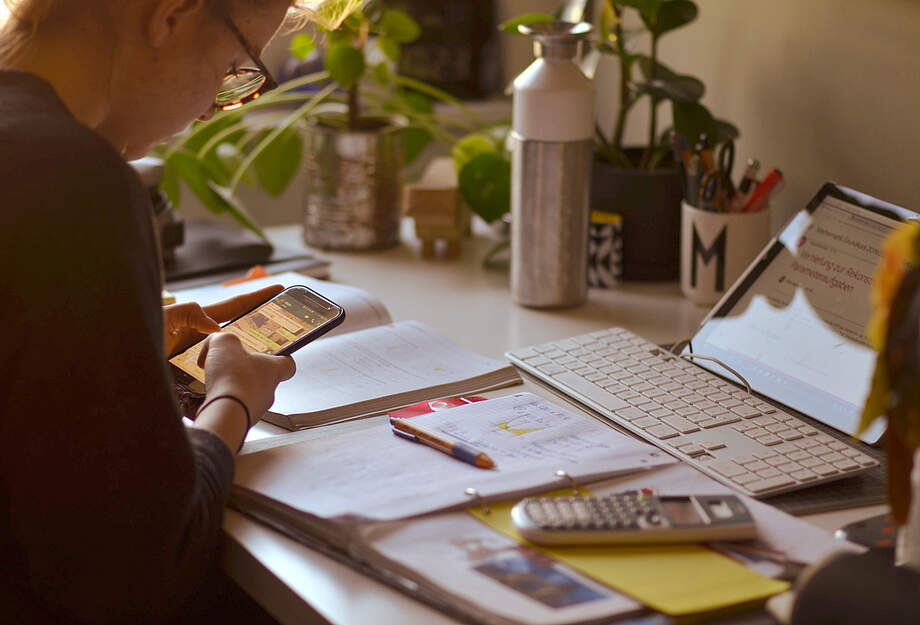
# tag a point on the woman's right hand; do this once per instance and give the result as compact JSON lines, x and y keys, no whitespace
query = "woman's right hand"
{"x":252,"y":378}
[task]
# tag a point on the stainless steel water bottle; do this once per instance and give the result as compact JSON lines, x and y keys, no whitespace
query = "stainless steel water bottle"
{"x":552,"y":157}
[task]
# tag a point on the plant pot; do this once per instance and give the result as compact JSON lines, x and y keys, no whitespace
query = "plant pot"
{"x":354,"y":180}
{"x":649,"y":203}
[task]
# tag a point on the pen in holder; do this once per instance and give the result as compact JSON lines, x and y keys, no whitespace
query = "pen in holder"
{"x":716,"y":248}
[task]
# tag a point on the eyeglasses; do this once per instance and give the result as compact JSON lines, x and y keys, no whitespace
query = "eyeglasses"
{"x":244,"y":84}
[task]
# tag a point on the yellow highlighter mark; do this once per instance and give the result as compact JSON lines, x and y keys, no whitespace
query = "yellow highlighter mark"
{"x":517,"y":431}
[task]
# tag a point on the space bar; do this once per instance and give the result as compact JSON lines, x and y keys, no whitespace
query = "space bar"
{"x":590,"y":391}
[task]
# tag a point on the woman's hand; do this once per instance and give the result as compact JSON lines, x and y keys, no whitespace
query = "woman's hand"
{"x":186,"y":324}
{"x":252,"y":378}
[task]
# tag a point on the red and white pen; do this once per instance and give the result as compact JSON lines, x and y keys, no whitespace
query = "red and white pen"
{"x":761,"y":194}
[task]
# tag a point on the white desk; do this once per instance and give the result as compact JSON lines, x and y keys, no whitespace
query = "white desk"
{"x":472,"y":305}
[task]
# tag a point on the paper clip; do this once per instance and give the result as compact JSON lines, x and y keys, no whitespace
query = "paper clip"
{"x":472,"y":492}
{"x":563,"y":475}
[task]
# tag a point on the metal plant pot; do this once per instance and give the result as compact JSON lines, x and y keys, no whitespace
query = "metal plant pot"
{"x":354,"y":180}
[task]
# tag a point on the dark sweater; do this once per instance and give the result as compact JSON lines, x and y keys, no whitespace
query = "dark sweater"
{"x":110,"y":509}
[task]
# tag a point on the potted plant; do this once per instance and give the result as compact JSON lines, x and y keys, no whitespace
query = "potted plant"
{"x":642,"y":184}
{"x":349,"y":127}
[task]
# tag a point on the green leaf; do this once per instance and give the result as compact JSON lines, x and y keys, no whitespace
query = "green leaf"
{"x":398,"y":26}
{"x":661,"y":70}
{"x":485,"y":184}
{"x":278,"y":163}
{"x":725,"y":130}
{"x":389,"y":48}
{"x":197,"y":178}
{"x":235,"y":208}
{"x":205,"y":131}
{"x":170,"y":184}
{"x":345,"y":64}
{"x":415,"y":140}
{"x":674,"y":14}
{"x":608,"y":20}
{"x":682,"y":88}
{"x":691,"y":119}
{"x":876,"y":402}
{"x":471,"y":146}
{"x":302,"y":45}
{"x":415,"y":101}
{"x":511,"y":26}
{"x":331,"y":13}
{"x":382,"y":73}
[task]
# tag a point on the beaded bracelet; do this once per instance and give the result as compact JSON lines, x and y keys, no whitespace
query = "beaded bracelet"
{"x":237,"y":400}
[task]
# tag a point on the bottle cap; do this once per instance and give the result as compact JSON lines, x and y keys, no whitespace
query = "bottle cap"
{"x":556,"y":40}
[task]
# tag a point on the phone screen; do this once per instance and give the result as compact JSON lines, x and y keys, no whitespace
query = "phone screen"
{"x":273,"y":327}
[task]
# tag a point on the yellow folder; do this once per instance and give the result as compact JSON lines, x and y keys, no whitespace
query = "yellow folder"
{"x":675,"y":579}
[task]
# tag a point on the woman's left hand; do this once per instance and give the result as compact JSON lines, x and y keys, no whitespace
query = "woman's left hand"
{"x":188,"y":323}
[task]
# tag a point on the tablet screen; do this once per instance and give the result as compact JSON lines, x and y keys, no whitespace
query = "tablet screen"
{"x":795,"y":327}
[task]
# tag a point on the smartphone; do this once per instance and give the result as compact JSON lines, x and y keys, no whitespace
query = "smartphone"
{"x":280,"y":326}
{"x":632,"y":518}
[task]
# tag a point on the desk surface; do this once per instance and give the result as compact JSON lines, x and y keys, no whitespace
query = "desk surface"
{"x":471,"y":305}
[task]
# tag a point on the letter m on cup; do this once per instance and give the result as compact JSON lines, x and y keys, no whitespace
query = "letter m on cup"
{"x":705,"y":254}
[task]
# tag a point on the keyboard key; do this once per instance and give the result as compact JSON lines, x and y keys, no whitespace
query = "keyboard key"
{"x":746,"y":478}
{"x":807,"y":430}
{"x":786,"y":448}
{"x":629,"y":413}
{"x":838,"y":446}
{"x":591,"y":377}
{"x":645,"y":422}
{"x":555,"y":354}
{"x":722,"y":420}
{"x":680,"y":424}
{"x":825,"y":469}
{"x":789,"y":467}
{"x":584,"y":370}
{"x":803,"y":475}
{"x":592,"y":392}
{"x":744,"y":460}
{"x":789,"y":435}
{"x":765,"y":455}
{"x":769,"y":440}
{"x":832,"y":457}
{"x":693,"y":450}
{"x":771,"y":472}
{"x":773,"y":428}
{"x":565,"y":344}
{"x":525,"y":353}
{"x":685,"y":410}
{"x":762,"y":421}
{"x":846,"y":465}
{"x":661,"y":413}
{"x":798,"y":455}
{"x":712,"y":445}
{"x":552,"y":369}
{"x":727,"y":468}
{"x":770,"y":484}
{"x":745,"y":411}
{"x":662,"y":431}
{"x":810,"y":462}
{"x":757,"y":465}
{"x":538,"y":360}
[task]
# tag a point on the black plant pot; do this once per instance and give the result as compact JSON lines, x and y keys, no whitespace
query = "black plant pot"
{"x":649,"y":203}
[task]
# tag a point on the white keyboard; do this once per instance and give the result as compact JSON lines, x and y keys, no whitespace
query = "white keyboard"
{"x":692,"y":413}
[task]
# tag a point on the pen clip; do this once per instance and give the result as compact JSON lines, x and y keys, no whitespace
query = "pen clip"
{"x":405,"y":435}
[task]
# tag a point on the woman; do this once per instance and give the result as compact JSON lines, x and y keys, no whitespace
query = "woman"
{"x":110,"y":508}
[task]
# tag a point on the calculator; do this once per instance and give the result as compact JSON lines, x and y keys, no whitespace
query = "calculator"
{"x":632,"y":518}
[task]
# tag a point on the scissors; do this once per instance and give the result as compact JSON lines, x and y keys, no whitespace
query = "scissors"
{"x":717,"y":189}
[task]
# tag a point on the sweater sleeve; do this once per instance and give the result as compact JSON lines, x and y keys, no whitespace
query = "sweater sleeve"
{"x":114,"y":506}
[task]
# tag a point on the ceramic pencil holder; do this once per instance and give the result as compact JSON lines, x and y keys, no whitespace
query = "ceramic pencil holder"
{"x":715,"y":248}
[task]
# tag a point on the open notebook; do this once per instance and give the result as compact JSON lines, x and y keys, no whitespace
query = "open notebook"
{"x":369,"y":364}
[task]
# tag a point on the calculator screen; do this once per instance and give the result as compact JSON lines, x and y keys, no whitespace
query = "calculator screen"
{"x":681,"y":511}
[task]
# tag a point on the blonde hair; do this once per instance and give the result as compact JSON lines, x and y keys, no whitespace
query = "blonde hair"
{"x":24,"y":17}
